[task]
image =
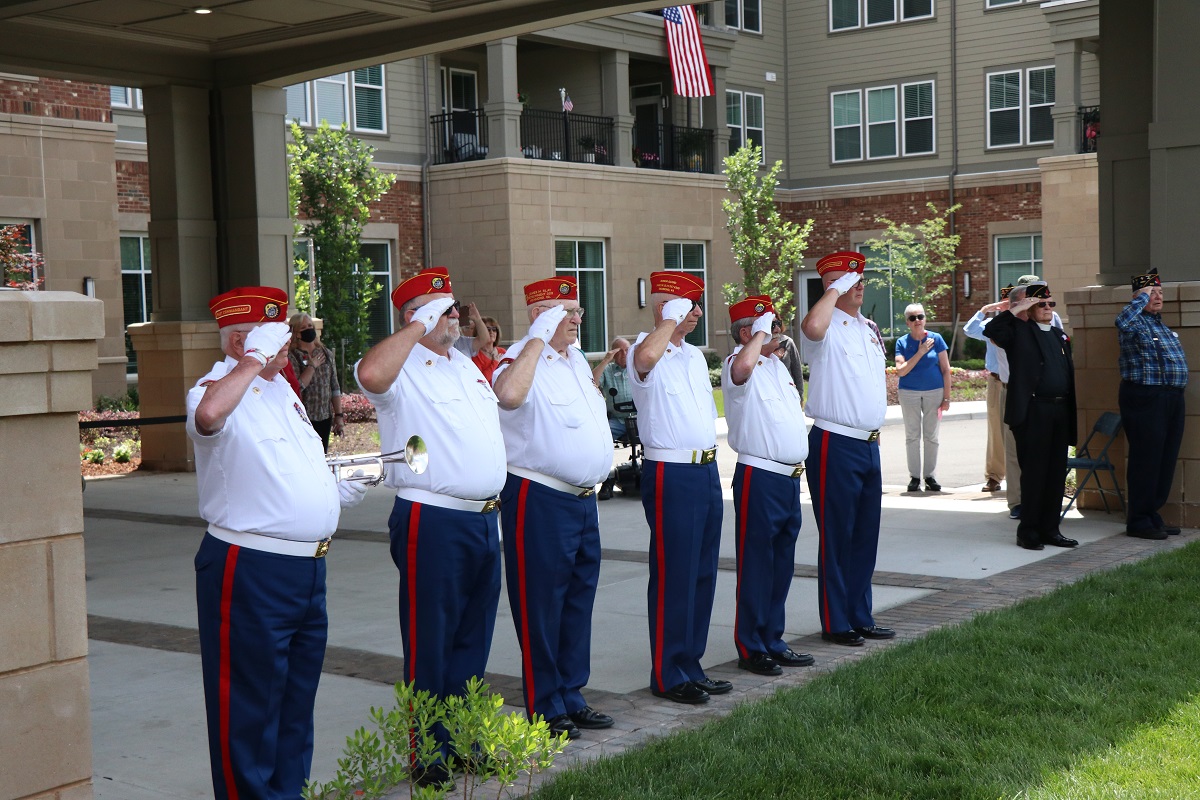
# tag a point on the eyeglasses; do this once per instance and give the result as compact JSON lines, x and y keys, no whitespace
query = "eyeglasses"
{"x":776,"y":324}
{"x":915,"y":317}
{"x":574,"y":312}
{"x":493,"y":330}
{"x":1050,"y":304}
{"x":454,"y":307}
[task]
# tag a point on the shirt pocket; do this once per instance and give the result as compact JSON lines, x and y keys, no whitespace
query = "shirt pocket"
{"x":451,"y":411}
{"x":568,"y":409}
{"x":276,"y":451}
{"x":858,"y":362}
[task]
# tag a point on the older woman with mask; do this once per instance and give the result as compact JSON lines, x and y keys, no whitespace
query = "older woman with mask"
{"x":924,"y":370}
{"x":319,"y":389}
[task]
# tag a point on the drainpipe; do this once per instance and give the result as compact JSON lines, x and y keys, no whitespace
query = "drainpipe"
{"x":953,"y":142}
{"x":427,"y":258}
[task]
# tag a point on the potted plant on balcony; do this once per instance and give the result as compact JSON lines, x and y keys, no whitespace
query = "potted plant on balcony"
{"x":692,"y":143}
{"x":587,"y":145}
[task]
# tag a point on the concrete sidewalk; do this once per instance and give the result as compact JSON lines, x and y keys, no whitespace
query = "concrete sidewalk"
{"x":942,"y":558}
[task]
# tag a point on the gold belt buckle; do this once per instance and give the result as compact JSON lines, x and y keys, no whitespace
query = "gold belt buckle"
{"x":873,"y":436}
{"x":490,"y":506}
{"x":587,"y":492}
{"x":798,"y":471}
{"x":322,"y":549}
{"x":708,"y":456}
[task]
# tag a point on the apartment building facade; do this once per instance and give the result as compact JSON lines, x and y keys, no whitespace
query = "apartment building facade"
{"x":875,"y":106}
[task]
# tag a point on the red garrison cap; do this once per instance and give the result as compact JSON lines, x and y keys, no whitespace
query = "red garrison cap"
{"x":249,"y":304}
{"x":435,"y":280}
{"x":753,"y":306}
{"x":550,"y":289}
{"x":680,"y":284}
{"x":842,"y":261}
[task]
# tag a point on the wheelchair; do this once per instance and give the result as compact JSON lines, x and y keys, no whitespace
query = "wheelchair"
{"x":629,"y":474}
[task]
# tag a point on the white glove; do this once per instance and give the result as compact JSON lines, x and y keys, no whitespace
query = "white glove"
{"x":352,"y":493}
{"x":763,"y":324}
{"x":846,"y":282}
{"x":429,"y":314}
{"x":677,"y":309}
{"x":264,"y":342}
{"x":547,"y":323}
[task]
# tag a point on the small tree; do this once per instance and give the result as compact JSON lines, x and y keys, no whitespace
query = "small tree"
{"x":767,"y":248}
{"x":332,"y":181}
{"x":921,"y":256}
{"x":23,"y":267}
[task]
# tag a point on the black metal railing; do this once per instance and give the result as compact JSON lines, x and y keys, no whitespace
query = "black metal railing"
{"x":674,"y":147}
{"x":566,"y":136}
{"x":1089,"y":128}
{"x":459,"y":136}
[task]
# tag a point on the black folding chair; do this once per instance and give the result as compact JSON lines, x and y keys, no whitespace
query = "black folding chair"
{"x":1089,"y":465}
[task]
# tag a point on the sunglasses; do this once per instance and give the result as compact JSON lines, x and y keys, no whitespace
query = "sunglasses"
{"x":493,"y":330}
{"x":915,"y":317}
{"x":1050,"y":304}
{"x":454,"y":307}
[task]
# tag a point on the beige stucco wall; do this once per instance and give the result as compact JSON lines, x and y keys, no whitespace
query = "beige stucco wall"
{"x":494,"y":224}
{"x":1070,"y":222}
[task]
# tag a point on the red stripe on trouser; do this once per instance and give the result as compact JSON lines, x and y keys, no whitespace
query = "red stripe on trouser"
{"x":744,"y":510}
{"x":414,"y":524}
{"x":231,"y":556}
{"x":526,"y":646}
{"x":662,"y":574}
{"x":821,"y":525}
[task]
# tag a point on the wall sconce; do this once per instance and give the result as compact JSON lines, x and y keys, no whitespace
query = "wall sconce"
{"x":89,"y":287}
{"x":666,"y":102}
{"x":641,"y":292}
{"x":967,"y":285}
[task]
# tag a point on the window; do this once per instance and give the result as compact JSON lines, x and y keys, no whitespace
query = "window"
{"x":848,"y":14}
{"x":377,"y":258}
{"x":136,"y":294}
{"x":745,"y":115}
{"x":125,"y":97}
{"x":1019,"y":105}
{"x":459,"y":90}
{"x":1017,"y":256}
{"x":583,"y":260}
{"x":354,"y":98}
{"x":744,"y":14}
{"x":884,"y":299}
{"x":1001,"y":3}
{"x":690,"y":257}
{"x":887,"y":107}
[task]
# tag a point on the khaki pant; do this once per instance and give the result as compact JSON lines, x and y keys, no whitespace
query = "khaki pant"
{"x":921,"y":422}
{"x":994,"y":468}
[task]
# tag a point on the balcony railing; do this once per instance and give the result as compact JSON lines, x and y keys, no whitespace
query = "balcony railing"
{"x":674,"y":147}
{"x":566,"y":136}
{"x":459,"y":136}
{"x":1089,"y":128}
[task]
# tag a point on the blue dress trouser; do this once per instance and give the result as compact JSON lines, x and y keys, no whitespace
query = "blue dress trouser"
{"x":262,"y":625}
{"x":767,"y":509}
{"x":1153,"y":418}
{"x":552,"y":567}
{"x":683,"y":508}
{"x":846,"y":485}
{"x":449,"y":563}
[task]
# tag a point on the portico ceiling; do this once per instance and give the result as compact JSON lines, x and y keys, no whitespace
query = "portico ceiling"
{"x":148,"y":42}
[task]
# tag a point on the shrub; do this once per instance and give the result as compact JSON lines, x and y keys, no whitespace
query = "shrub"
{"x":357,"y":408}
{"x":123,"y":453}
{"x":124,"y":402}
{"x":90,"y":436}
{"x":94,"y":456}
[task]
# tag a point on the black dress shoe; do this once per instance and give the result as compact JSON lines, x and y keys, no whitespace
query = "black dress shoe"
{"x":876,"y":632}
{"x":686,"y":692}
{"x":1058,"y":540}
{"x":914,"y":485}
{"x":1170,"y":530}
{"x":760,"y":664}
{"x":714,"y":686}
{"x":848,"y":638}
{"x":1028,"y":545}
{"x":1146,"y":533}
{"x":606,"y":489}
{"x":563,"y":724}
{"x":932,"y":485}
{"x":435,"y":775}
{"x":590,"y":719}
{"x":790,"y":658}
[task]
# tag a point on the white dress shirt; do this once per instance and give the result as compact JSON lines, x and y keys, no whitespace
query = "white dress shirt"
{"x":447,"y":402}
{"x":264,"y":472}
{"x":846,"y":382}
{"x":764,"y":413}
{"x":561,"y":429}
{"x":675,"y":403}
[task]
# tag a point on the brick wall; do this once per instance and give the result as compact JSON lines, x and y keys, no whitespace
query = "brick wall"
{"x":133,"y":187}
{"x":402,"y":206}
{"x":836,"y":219}
{"x":49,"y":97}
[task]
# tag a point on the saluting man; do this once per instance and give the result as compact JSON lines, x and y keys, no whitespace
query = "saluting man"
{"x":559,"y":447}
{"x":847,"y":398}
{"x":444,"y":525}
{"x":766,"y":428}
{"x":271,"y":505}
{"x":681,"y":491}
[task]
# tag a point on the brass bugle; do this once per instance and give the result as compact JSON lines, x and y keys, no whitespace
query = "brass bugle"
{"x":415,"y":455}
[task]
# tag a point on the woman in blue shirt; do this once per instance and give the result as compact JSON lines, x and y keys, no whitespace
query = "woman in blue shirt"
{"x":924,"y":370}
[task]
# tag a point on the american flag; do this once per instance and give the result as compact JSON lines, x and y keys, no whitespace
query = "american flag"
{"x":688,"y":63}
{"x":566,"y":100}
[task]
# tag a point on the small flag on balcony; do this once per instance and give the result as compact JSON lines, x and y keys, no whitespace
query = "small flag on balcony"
{"x":689,"y":66}
{"x":566,"y":100}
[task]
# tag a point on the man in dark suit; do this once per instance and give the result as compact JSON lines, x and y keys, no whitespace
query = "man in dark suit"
{"x":1040,"y":408}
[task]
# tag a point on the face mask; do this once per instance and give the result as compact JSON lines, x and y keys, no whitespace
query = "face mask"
{"x":309,"y":335}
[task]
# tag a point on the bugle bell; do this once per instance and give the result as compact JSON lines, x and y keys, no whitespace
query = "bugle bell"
{"x":415,"y":455}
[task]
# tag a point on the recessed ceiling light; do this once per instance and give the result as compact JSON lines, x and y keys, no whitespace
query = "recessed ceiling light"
{"x":202,"y":10}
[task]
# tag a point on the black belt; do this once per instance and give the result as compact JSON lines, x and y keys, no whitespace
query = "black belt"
{"x":1050,"y":398}
{"x":1161,"y":386}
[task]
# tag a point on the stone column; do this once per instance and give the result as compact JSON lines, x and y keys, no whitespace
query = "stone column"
{"x":502,"y":107}
{"x":47,"y":356}
{"x":714,"y":116}
{"x":614,"y":77}
{"x":1066,"y":96}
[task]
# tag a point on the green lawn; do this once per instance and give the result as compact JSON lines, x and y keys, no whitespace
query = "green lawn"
{"x":1088,"y":692}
